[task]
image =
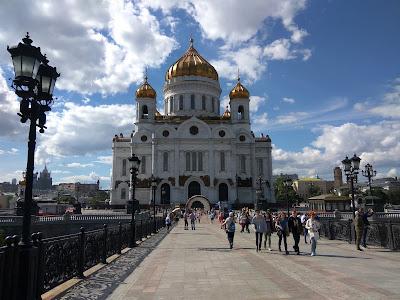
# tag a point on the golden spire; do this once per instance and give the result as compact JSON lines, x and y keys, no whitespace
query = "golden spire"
{"x":239,"y":91}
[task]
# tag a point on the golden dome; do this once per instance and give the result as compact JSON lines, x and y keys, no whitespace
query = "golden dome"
{"x":146,"y":91}
{"x":239,"y":91}
{"x":226,"y":114}
{"x":191,"y":63}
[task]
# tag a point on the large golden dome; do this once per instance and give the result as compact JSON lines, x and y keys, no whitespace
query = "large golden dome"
{"x":239,"y":91}
{"x":191,"y":63}
{"x":146,"y":91}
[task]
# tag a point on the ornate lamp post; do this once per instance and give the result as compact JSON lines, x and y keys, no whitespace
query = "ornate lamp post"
{"x":134,"y":162}
{"x":287,"y":183}
{"x":259,"y":192}
{"x":369,"y":173}
{"x":237,"y":188}
{"x":34,"y":82}
{"x":154,"y":188}
{"x":351,"y":168}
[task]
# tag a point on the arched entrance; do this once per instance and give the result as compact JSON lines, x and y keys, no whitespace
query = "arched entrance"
{"x":198,"y":201}
{"x":165,"y":193}
{"x":223,"y":192}
{"x":194,"y":189}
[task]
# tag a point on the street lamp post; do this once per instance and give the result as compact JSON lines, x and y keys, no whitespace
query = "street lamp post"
{"x":154,"y":188}
{"x":237,"y":188}
{"x":34,"y":82}
{"x":351,"y":168}
{"x":287,"y":183}
{"x":369,"y":173}
{"x":259,"y":193}
{"x":134,"y":167}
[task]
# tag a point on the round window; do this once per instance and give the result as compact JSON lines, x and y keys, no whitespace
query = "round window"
{"x":143,"y":138}
{"x":194,"y":130}
{"x":242,"y":138}
{"x":221,"y":133}
{"x":165,"y":133}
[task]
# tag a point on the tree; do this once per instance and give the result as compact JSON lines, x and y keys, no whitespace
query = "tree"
{"x":100,"y":196}
{"x":68,"y":199}
{"x":394,"y":197}
{"x":280,"y":192}
{"x":315,"y":191}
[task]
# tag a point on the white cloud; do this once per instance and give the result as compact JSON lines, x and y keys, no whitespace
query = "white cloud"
{"x":79,"y":165}
{"x":60,"y":172}
{"x":260,"y":119}
{"x":98,"y":46}
{"x":288,"y":100}
{"x":13,"y":151}
{"x":255,"y":102}
{"x":91,"y":178}
{"x":292,"y":117}
{"x":279,"y":49}
{"x":82,"y":130}
{"x":104,"y":160}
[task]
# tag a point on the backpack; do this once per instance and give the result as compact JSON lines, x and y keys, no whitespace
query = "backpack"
{"x":232,"y":226}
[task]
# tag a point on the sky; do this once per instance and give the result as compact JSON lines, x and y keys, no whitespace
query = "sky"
{"x":323,"y":77}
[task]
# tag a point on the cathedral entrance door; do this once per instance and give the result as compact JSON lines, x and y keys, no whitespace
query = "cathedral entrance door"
{"x":223,"y":192}
{"x":198,"y":201}
{"x":194,"y":189}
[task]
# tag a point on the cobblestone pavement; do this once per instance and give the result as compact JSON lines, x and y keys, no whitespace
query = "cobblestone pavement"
{"x":103,"y":282}
{"x":198,"y":264}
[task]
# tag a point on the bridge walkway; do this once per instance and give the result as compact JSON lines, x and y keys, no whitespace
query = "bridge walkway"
{"x":198,"y":264}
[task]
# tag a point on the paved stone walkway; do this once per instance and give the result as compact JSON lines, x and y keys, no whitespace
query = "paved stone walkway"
{"x":198,"y":264}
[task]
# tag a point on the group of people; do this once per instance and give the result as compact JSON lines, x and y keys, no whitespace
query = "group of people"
{"x":265,"y":225}
{"x":361,"y":224}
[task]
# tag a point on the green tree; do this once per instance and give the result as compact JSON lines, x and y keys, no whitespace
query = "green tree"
{"x":100,"y":196}
{"x":315,"y":191}
{"x":68,"y":199}
{"x":280,"y":192}
{"x":394,"y":197}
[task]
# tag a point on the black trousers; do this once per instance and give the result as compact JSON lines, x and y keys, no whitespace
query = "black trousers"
{"x":258,"y":240}
{"x":283,"y":235}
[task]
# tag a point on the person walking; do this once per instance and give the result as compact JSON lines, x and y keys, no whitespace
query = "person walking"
{"x":364,"y":217}
{"x":192,"y":218}
{"x":359,"y":226}
{"x":260,"y":226}
{"x":168,"y":222}
{"x":229,"y":226}
{"x":246,"y":222}
{"x":199,"y":216}
{"x":303,"y":219}
{"x":296,"y":228}
{"x":212,"y":216}
{"x":185,"y":218}
{"x":270,"y":229}
{"x":313,"y":227}
{"x":282,"y":230}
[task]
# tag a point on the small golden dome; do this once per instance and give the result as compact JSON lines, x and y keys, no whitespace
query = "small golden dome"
{"x":22,"y":182}
{"x":191,"y":63}
{"x":226,"y":114}
{"x":146,"y":91}
{"x":239,"y":91}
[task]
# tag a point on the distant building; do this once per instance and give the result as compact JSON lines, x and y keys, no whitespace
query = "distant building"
{"x":304,"y":186}
{"x":14,"y":181}
{"x":7,"y":187}
{"x":289,"y":176}
{"x":44,"y":181}
{"x":79,"y":190}
{"x":338,"y":177}
{"x":329,"y":203}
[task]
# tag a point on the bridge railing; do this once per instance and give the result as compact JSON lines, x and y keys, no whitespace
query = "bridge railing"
{"x":65,"y":257}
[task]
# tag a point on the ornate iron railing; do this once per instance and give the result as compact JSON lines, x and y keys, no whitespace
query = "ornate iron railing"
{"x":65,"y":257}
{"x":380,"y":233}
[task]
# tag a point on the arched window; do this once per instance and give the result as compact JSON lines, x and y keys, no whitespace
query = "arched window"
{"x":171,"y":104}
{"x":213,"y":104}
{"x":194,"y":161}
{"x":143,"y":164}
{"x":145,"y":112}
{"x":242,"y":164}
{"x":137,"y":111}
{"x":124,"y":167}
{"x":180,"y":102}
{"x":192,"y":106}
{"x":123,"y":193}
{"x":187,"y":161}
{"x":240,"y":112}
{"x":200,"y":157}
{"x":165,"y":161}
{"x":203,"y":102}
{"x":222,"y":161}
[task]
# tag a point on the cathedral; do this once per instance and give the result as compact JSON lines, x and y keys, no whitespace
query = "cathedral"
{"x":192,"y":149}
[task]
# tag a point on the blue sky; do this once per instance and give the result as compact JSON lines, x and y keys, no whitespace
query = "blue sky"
{"x":324,"y":77}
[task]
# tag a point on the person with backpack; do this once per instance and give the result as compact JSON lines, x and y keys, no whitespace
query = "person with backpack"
{"x":229,"y":226}
{"x":260,"y":226}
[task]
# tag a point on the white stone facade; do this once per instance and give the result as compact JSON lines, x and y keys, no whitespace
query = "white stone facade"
{"x":192,"y":149}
